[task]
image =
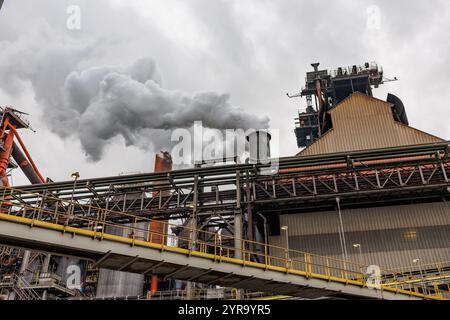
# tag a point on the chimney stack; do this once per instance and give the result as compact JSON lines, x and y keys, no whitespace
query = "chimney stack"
{"x":259,"y":146}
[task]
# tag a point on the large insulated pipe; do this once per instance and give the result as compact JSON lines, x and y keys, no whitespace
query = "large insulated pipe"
{"x":24,"y":148}
{"x":25,"y":165}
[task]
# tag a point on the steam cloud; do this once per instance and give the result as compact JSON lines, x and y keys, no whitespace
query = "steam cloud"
{"x":96,"y":104}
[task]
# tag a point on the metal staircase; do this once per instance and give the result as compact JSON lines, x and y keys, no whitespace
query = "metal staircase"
{"x":19,"y":286}
{"x":23,"y":289}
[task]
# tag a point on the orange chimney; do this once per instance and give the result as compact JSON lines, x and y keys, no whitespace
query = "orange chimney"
{"x":163,"y":162}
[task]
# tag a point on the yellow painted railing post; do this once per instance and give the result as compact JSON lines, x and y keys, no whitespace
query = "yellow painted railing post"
{"x":220,"y":249}
{"x":327,"y":270}
{"x":309,"y":264}
{"x":103,"y":223}
{"x":436,"y":290}
{"x":288,"y":259}
{"x":243,"y":251}
{"x":265,"y":255}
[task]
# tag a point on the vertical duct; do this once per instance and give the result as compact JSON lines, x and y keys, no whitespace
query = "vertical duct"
{"x":259,"y":146}
{"x":163,"y":163}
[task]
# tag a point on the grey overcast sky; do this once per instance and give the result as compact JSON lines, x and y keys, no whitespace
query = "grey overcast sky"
{"x":238,"y":56}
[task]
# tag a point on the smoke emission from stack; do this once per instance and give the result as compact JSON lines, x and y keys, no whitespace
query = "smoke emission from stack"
{"x":96,"y":104}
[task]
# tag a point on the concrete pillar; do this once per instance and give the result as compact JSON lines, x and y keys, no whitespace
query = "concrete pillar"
{"x":190,"y":287}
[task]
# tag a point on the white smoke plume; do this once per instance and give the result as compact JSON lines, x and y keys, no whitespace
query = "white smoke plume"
{"x":96,"y":104}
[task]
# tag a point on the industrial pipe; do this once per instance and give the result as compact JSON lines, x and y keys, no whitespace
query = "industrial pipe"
{"x":4,"y":159}
{"x":284,"y":163}
{"x":25,"y":165}
{"x":42,"y":180}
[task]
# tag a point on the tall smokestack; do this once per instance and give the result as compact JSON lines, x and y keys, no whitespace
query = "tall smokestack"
{"x":259,"y":146}
{"x":163,"y":162}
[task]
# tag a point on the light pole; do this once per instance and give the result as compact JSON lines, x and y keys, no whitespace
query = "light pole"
{"x":285,"y":229}
{"x":358,"y":246}
{"x":417,"y":262}
{"x":75,"y":176}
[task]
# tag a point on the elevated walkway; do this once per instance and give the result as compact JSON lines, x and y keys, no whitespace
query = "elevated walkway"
{"x":247,"y":265}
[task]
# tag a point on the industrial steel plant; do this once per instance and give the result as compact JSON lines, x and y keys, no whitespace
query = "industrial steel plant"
{"x":361,"y":211}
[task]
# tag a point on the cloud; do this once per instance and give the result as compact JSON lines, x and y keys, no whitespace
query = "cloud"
{"x":98,"y":103}
{"x":129,"y":101}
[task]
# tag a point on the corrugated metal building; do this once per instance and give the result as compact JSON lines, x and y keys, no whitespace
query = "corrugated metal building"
{"x":361,"y":122}
{"x":389,"y":236}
